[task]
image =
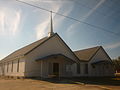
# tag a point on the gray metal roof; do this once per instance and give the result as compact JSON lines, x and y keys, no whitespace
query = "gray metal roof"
{"x":86,"y":54}
{"x":25,"y":49}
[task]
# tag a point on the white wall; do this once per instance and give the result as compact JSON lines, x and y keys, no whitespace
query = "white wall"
{"x":47,"y":68}
{"x":101,"y":69}
{"x":52,"y":46}
{"x":0,"y":69}
{"x":100,"y":55}
{"x":82,"y":69}
{"x":8,"y":67}
{"x":5,"y":68}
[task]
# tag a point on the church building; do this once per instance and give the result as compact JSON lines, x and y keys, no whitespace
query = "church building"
{"x":51,"y":56}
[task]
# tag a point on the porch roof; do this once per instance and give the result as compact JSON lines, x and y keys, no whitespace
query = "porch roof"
{"x":101,"y":61}
{"x":55,"y":56}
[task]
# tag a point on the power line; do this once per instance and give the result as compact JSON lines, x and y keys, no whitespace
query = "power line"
{"x":83,"y":5}
{"x":99,"y":12}
{"x":99,"y":28}
{"x":33,"y":5}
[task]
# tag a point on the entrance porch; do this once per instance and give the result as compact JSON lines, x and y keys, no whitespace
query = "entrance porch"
{"x":56,"y":65}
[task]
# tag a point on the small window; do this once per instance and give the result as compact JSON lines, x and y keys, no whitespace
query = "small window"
{"x":78,"y":68}
{"x":68,"y":68}
{"x":3,"y":67}
{"x":7,"y":66}
{"x":93,"y":66}
{"x":86,"y":68}
{"x":18,"y":66}
{"x":12,"y":67}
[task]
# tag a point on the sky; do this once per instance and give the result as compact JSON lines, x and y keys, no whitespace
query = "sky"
{"x":21,"y":24}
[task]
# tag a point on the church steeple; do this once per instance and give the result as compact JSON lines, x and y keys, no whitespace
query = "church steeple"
{"x":50,"y":33}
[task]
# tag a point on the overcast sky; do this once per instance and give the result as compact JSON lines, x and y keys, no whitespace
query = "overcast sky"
{"x":21,"y":24}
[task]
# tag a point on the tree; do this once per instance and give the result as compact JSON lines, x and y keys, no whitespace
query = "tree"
{"x":119,"y":58}
{"x":116,"y":63}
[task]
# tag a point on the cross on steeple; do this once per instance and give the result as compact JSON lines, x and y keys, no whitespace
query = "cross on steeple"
{"x":50,"y":33}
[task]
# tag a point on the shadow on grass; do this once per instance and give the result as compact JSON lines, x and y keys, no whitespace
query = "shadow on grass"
{"x":84,"y":80}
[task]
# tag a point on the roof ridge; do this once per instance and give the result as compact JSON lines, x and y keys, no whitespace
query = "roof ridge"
{"x":30,"y":44}
{"x":87,"y":48}
{"x":26,"y":46}
{"x":41,"y":43}
{"x":94,"y":53}
{"x":87,"y":54}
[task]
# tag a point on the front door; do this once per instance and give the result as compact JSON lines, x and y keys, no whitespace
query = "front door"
{"x":56,"y":69}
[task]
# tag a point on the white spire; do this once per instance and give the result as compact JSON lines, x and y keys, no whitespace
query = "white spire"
{"x":51,"y":26}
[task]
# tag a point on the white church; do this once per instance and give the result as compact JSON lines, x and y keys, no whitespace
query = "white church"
{"x":51,"y":56}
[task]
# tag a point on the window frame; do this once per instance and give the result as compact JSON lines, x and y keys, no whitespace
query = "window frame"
{"x":7,"y":66}
{"x":18,"y":61}
{"x":78,"y":68}
{"x":12,"y":66}
{"x":86,"y":68}
{"x":68,"y":68}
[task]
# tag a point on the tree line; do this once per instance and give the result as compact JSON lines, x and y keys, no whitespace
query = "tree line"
{"x":116,"y":63}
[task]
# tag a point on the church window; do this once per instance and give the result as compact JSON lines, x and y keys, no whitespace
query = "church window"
{"x":78,"y":68}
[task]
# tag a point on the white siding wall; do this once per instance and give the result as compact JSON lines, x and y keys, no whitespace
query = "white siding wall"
{"x":100,"y":69}
{"x":15,"y":62}
{"x":0,"y":69}
{"x":45,"y":68}
{"x":7,"y":66}
{"x":100,"y":55}
{"x":52,"y":46}
{"x":82,"y":69}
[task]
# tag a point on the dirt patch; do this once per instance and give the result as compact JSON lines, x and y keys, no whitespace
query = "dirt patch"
{"x":30,"y":84}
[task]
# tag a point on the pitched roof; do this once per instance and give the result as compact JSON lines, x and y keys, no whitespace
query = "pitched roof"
{"x":86,"y":54}
{"x":25,"y":49}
